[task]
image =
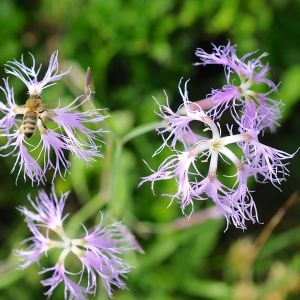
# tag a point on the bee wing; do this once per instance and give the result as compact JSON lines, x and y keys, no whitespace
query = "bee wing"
{"x":47,"y":114}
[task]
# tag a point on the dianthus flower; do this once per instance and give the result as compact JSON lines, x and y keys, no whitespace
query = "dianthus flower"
{"x":59,"y":130}
{"x":246,"y":85}
{"x":94,"y":255}
{"x":185,"y":134}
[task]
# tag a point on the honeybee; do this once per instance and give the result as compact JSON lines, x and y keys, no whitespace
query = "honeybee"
{"x":33,"y":109}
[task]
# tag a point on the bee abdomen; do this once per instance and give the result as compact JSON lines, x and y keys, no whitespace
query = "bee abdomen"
{"x":29,"y":124}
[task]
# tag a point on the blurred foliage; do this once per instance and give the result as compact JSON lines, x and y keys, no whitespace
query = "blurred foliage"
{"x":135,"y":49}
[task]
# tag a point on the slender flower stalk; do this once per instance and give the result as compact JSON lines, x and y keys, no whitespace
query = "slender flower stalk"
{"x":43,"y":132}
{"x":97,"y":252}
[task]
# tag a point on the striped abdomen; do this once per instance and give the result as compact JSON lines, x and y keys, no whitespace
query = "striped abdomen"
{"x":29,"y":123}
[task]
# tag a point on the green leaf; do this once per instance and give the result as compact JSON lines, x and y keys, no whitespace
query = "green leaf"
{"x":289,"y":90}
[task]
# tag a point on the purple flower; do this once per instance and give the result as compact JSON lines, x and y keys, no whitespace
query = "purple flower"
{"x":48,"y":212}
{"x":42,"y":131}
{"x":72,"y":290}
{"x":9,"y":110}
{"x":98,"y":251}
{"x":267,"y":162}
{"x":29,"y":75}
{"x":244,"y":78}
{"x":179,"y":122}
{"x":198,"y":148}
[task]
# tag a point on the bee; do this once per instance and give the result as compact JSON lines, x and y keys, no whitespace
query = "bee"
{"x":33,"y":110}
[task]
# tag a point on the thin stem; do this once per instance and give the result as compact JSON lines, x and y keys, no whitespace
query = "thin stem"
{"x":267,"y":231}
{"x":115,"y":166}
{"x":146,"y":228}
{"x":90,"y":208}
{"x":109,"y":179}
{"x":204,"y":104}
{"x":139,"y":130}
{"x":195,"y":219}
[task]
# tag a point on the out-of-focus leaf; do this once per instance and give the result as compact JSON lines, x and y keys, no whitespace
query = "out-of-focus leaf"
{"x":9,"y":276}
{"x":224,"y":18}
{"x":121,"y":121}
{"x":210,"y":289}
{"x":289,"y":90}
{"x":196,"y":245}
{"x":279,"y":242}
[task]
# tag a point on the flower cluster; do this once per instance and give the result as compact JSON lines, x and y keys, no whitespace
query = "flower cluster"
{"x":59,"y":130}
{"x":97,"y":252}
{"x":245,"y":78}
{"x":40,"y":138}
{"x":199,"y":148}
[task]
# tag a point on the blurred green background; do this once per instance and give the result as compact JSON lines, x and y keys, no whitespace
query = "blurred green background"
{"x":135,"y":50}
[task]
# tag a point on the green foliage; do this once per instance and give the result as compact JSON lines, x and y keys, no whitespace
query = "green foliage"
{"x":136,"y":49}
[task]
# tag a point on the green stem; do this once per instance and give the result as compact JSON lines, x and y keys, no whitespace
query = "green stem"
{"x":109,"y":180}
{"x":116,"y":163}
{"x":139,"y":130}
{"x":90,"y":208}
